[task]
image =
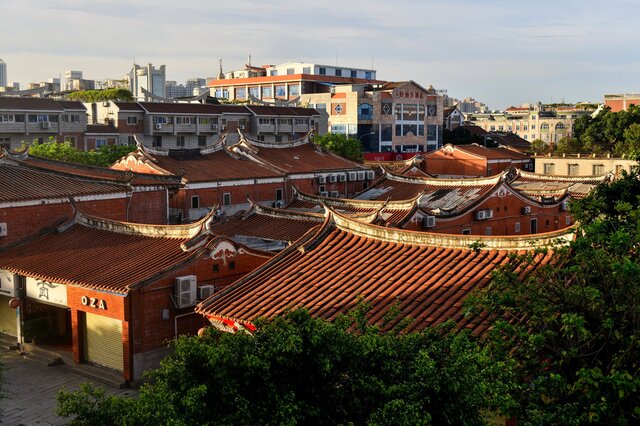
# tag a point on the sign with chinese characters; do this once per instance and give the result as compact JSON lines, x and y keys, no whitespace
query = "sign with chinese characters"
{"x":46,"y":292}
{"x":7,"y":284}
{"x":94,"y":302}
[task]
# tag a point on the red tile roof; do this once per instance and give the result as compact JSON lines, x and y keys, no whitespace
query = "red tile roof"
{"x":427,"y":275}
{"x":29,"y":104}
{"x":200,"y":165}
{"x":72,"y":105}
{"x":300,"y":156}
{"x":20,"y":183}
{"x":282,"y":110}
{"x":180,"y":108}
{"x":492,"y":153}
{"x":109,"y":255}
{"x":532,"y":184}
{"x":129,"y":106}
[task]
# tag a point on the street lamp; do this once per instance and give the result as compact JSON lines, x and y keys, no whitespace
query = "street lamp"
{"x":366,"y":134}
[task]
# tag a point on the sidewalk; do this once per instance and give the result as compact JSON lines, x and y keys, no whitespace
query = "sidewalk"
{"x":31,"y":390}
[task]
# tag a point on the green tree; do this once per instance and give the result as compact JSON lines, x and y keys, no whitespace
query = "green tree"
{"x":630,"y":147}
{"x":461,"y":136}
{"x":539,"y":146}
{"x":568,"y":146}
{"x":104,"y":156}
{"x":115,"y":94}
{"x":573,"y":328}
{"x":339,"y":144}
{"x":299,"y":370}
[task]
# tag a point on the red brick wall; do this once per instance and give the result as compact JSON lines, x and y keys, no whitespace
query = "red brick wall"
{"x":123,"y":127}
{"x":148,"y":207}
{"x":26,"y":220}
{"x":457,"y":163}
{"x":213,"y":196}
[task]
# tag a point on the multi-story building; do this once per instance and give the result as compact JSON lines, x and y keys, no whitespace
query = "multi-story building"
{"x":530,"y":122}
{"x":620,"y":102}
{"x":75,"y":81}
{"x":582,"y":165}
{"x":28,"y":119}
{"x":3,"y":73}
{"x":147,"y":81}
{"x":193,"y":125}
{"x":400,"y":116}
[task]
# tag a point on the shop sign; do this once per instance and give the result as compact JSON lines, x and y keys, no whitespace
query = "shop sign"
{"x":47,"y":292}
{"x":7,"y":285}
{"x":94,"y":302}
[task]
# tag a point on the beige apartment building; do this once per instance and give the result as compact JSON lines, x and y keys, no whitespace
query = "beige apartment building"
{"x":582,"y":165}
{"x":532,"y":122}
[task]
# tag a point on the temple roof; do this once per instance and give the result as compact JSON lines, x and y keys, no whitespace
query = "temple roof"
{"x":110,"y":255}
{"x":329,"y":271}
{"x":533,"y":184}
{"x":298,"y":156}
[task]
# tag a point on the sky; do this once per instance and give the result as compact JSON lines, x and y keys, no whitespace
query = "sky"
{"x":499,"y":52}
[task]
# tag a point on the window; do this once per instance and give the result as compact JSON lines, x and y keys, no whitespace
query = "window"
{"x":267,"y":121}
{"x":5,"y":142}
{"x":204,"y":120}
{"x":70,"y":139}
{"x":560,"y":126}
{"x":7,"y":118}
{"x":365,"y":112}
{"x":285,"y":121}
{"x":487,"y":230}
{"x":294,"y":90}
{"x":367,"y":74}
{"x":420,"y":112}
{"x":500,"y":128}
{"x":525,"y":127}
{"x":185,"y":120}
{"x":241,"y":93}
{"x":216,"y":267}
{"x":354,"y":73}
{"x":567,"y":220}
{"x":493,"y":128}
{"x":281,"y":91}
{"x":533,"y":117}
{"x":202,"y":140}
{"x":322,"y":71}
{"x":549,"y":168}
{"x":195,"y":202}
{"x":273,"y":72}
{"x":339,"y":128}
{"x":160,"y":120}
{"x":544,"y":127}
{"x":32,"y":118}
{"x":131,"y":140}
{"x":598,"y":169}
{"x":573,"y":169}
{"x":254,"y":91}
{"x":290,"y":71}
{"x":232,"y":265}
{"x":533,"y":127}
{"x":409,"y":112}
{"x":432,"y":131}
{"x":157,"y":141}
{"x":466,"y":231}
{"x":398,"y":130}
{"x":525,"y":137}
{"x":242,"y":122}
{"x":534,"y":226}
{"x":278,"y":138}
{"x":517,"y":227}
{"x":180,"y":141}
{"x":100,"y":142}
{"x":226,"y":199}
{"x":300,"y":121}
{"x":321,"y":107}
{"x":338,"y":72}
{"x":278,"y":194}
{"x":306,"y":70}
{"x":266,"y":92}
{"x":19,"y":118}
{"x":132,"y":121}
{"x":619,"y":169}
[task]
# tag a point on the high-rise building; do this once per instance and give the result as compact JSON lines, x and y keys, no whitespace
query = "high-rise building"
{"x":3,"y":73}
{"x":145,"y":82}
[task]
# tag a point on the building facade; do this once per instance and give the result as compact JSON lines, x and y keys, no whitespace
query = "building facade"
{"x":582,"y":165}
{"x":621,"y":102}
{"x":3,"y":73}
{"x":147,"y":81}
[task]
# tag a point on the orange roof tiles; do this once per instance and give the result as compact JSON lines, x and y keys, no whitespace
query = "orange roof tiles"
{"x":329,"y":271}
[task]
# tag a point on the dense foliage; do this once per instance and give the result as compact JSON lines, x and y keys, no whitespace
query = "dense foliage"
{"x":341,"y":145}
{"x":608,"y":132}
{"x":115,"y":94}
{"x":104,"y":156}
{"x":573,"y":328}
{"x":299,"y":370}
{"x":461,"y":136}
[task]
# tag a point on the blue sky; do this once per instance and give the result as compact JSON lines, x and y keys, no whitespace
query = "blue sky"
{"x":500,"y":52}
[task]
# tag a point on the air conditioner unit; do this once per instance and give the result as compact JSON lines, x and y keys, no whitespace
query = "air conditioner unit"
{"x":484,"y":214}
{"x":353,"y":176}
{"x":185,"y":291}
{"x":333,"y":178}
{"x":322,"y":179}
{"x":371,"y":175}
{"x":342,"y":178}
{"x":361,"y":176}
{"x":46,"y":124}
{"x":526,"y":210}
{"x":428,"y":221}
{"x":324,"y":194}
{"x":335,"y":194}
{"x":158,"y":126}
{"x":279,"y":204}
{"x":204,"y":291}
{"x":214,"y":126}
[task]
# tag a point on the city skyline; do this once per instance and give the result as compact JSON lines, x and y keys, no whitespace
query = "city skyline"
{"x":497,"y":52}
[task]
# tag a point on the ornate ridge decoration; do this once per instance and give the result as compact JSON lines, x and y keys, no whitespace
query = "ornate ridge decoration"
{"x":16,"y":155}
{"x":291,"y":144}
{"x":401,"y":236}
{"x":573,"y":179}
{"x":277,"y":102}
{"x":351,"y":202}
{"x":491,"y":180}
{"x":190,"y":230}
{"x":284,"y":214}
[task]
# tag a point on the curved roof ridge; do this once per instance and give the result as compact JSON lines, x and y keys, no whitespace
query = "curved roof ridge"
{"x":373,"y":204}
{"x":401,"y":236}
{"x":215,"y":147}
{"x":146,"y":230}
{"x":260,"y":144}
{"x":148,"y":151}
{"x":285,"y":214}
{"x":575,"y":179}
{"x":482,"y":181}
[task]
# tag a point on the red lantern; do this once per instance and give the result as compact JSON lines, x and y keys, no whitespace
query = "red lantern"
{"x":14,"y":303}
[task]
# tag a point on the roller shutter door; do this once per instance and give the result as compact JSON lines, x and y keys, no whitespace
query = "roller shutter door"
{"x":103,"y":341}
{"x":8,"y":321}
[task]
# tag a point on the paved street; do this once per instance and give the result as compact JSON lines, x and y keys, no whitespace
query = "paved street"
{"x":32,"y":388}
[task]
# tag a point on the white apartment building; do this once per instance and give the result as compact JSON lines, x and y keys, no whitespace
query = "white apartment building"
{"x":147,"y":78}
{"x":3,"y":73}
